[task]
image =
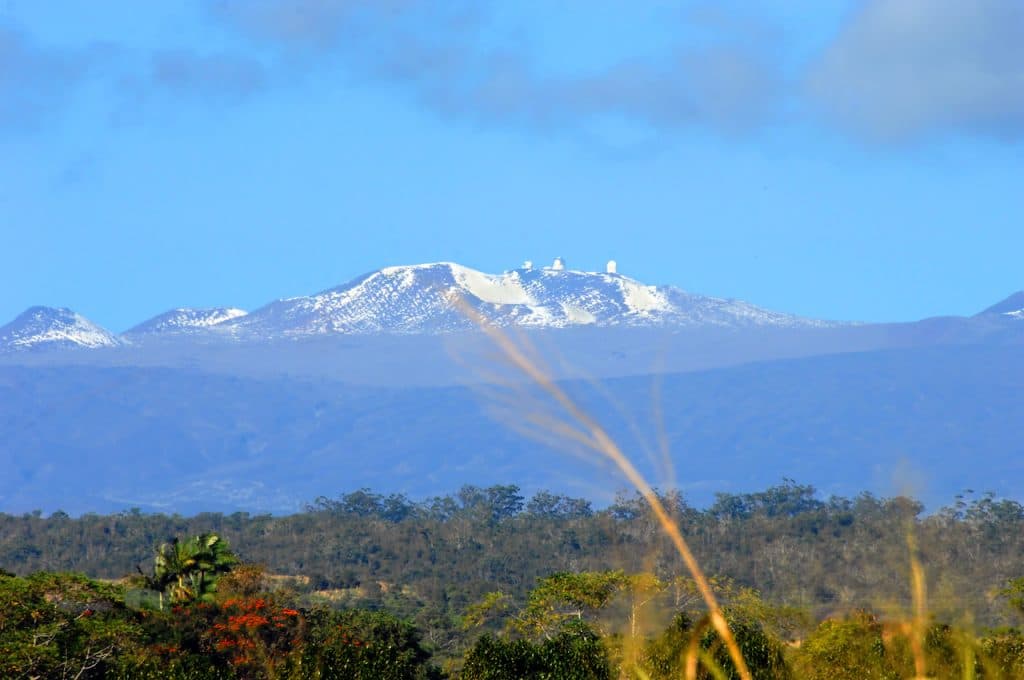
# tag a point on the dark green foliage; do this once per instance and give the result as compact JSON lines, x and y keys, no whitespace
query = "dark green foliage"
{"x":1014,"y":594}
{"x":62,"y":625}
{"x":575,"y":653}
{"x":763,"y":654}
{"x":790,"y":545}
{"x":188,"y":570}
{"x":564,"y":596}
{"x":365,"y":503}
{"x":1003,"y":654}
{"x":492,"y":658}
{"x":665,"y":656}
{"x":860,"y":646}
{"x":69,"y":626}
{"x":191,"y":667}
{"x":847,"y":649}
{"x":361,"y":645}
{"x":786,"y":500}
{"x":549,"y":505}
{"x":428,"y":562}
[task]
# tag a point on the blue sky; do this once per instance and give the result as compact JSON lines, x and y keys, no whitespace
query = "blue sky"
{"x":850,"y":160}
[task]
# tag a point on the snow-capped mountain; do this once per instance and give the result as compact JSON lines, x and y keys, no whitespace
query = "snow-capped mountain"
{"x":39,"y":328}
{"x":185,"y":319}
{"x":431,"y":298}
{"x":1012,"y":307}
{"x":437,"y":298}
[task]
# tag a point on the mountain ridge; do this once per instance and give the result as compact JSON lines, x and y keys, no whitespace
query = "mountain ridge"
{"x":419,"y":299}
{"x":429,"y":298}
{"x":432,"y":299}
{"x":1012,"y":306}
{"x":54,"y":327}
{"x":185,"y":319}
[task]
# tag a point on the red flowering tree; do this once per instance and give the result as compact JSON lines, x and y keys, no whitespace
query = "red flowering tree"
{"x":257,"y":636}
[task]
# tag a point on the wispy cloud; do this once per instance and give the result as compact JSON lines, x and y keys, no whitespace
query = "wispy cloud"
{"x":895,"y":70}
{"x":217,"y":76}
{"x":36,"y":81}
{"x":905,"y":69}
{"x":434,"y":50}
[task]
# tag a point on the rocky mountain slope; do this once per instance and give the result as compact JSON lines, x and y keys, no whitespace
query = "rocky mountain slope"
{"x":47,"y":328}
{"x":425,"y":299}
{"x":185,"y":320}
{"x":432,"y":298}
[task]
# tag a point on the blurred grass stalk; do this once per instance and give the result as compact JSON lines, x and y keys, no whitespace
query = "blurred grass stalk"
{"x":580,"y":428}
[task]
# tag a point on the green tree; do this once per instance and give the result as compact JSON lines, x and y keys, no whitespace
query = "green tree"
{"x":363,"y":645}
{"x":62,"y":626}
{"x":189,"y":570}
{"x":492,"y":658}
{"x":1013,"y":592}
{"x":666,"y":656}
{"x":564,"y":596}
{"x":847,"y":649}
{"x":575,"y":653}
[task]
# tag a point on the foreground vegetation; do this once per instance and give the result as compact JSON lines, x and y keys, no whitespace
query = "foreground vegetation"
{"x":586,"y":626}
{"x":487,"y":584}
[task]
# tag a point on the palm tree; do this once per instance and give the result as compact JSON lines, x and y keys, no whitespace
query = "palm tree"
{"x":189,"y":570}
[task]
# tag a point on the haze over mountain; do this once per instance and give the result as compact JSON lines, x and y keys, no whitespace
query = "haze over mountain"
{"x":932,"y":421}
{"x":383,"y":381}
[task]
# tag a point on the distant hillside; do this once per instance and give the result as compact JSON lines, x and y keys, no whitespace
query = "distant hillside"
{"x":91,"y":438}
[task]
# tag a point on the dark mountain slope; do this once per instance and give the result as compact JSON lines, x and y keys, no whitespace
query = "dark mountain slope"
{"x":87,"y":438}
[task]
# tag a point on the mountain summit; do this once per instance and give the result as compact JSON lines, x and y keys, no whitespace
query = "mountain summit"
{"x":39,"y":328}
{"x":424,"y":299}
{"x":1012,"y":306}
{"x":184,"y":320}
{"x":430,"y":299}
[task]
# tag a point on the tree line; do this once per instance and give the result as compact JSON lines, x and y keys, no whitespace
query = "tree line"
{"x":430,"y":562}
{"x":572,"y":626}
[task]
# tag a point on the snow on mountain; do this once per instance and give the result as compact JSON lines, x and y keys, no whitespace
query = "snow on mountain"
{"x":184,"y":319}
{"x":39,"y":328}
{"x":1012,"y":307}
{"x":422,"y":299}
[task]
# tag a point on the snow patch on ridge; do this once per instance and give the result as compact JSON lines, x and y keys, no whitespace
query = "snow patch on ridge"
{"x":420,"y":299}
{"x":48,"y":327}
{"x":642,"y":299}
{"x":506,"y":289}
{"x":186,"y":319}
{"x":576,"y":315}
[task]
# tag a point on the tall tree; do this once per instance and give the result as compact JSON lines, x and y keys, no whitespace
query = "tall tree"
{"x":188,"y":570}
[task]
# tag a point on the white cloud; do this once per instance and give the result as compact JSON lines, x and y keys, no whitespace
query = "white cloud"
{"x":905,"y":69}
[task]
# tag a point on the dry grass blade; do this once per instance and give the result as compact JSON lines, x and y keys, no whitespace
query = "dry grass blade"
{"x":920,"y":619}
{"x":693,"y":651}
{"x":584,"y":430}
